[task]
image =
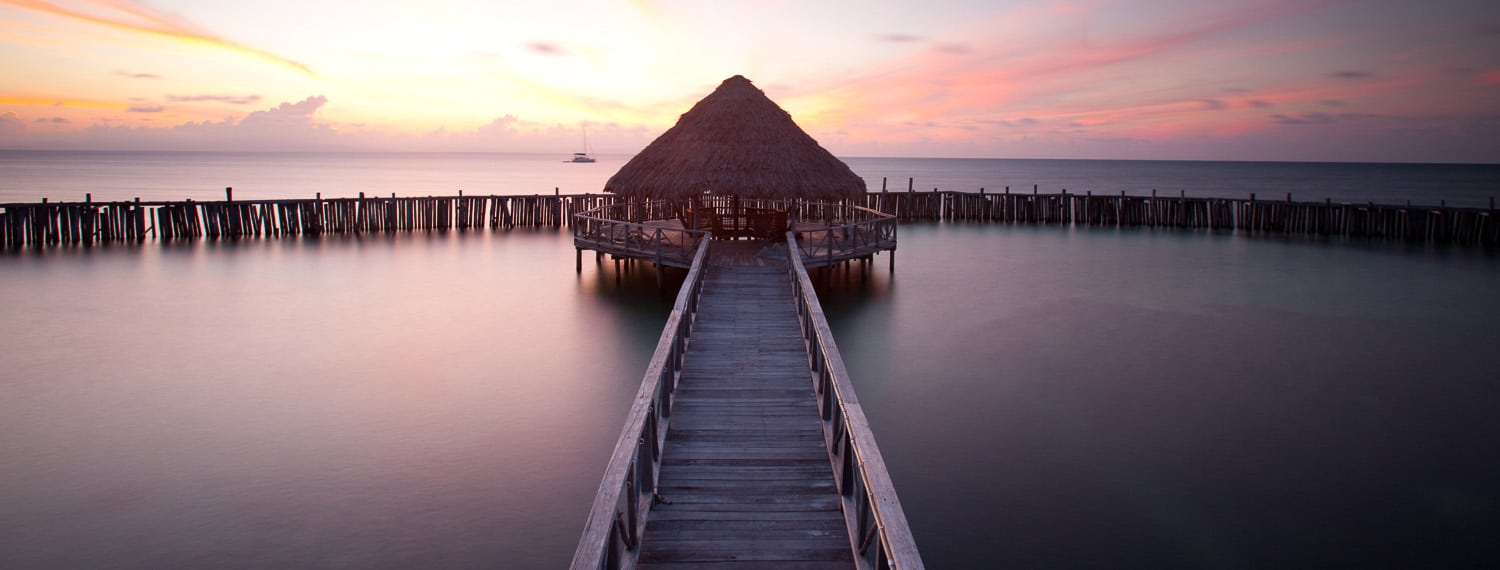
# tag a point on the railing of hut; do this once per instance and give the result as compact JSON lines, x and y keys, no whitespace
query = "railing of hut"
{"x":649,"y":229}
{"x":878,"y":531}
{"x":618,"y":517}
{"x":828,"y":233}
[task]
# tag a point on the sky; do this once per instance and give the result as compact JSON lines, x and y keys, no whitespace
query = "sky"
{"x":1306,"y":80}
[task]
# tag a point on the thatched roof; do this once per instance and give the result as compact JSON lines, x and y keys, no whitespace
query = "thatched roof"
{"x":736,"y":141}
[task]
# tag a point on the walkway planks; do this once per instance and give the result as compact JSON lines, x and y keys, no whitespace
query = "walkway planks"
{"x":744,"y":467}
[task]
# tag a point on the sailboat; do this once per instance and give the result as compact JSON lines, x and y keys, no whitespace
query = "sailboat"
{"x":583,"y":156}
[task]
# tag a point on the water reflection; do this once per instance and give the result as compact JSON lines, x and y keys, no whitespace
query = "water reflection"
{"x":1059,"y":398}
{"x":1043,"y":396}
{"x":389,"y":401}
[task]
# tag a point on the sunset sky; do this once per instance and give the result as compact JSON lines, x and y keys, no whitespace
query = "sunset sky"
{"x":1150,"y":79}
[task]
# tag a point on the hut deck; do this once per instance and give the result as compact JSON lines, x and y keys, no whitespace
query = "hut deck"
{"x":745,"y":467}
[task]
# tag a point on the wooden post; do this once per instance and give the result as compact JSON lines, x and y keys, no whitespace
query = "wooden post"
{"x":229,"y":194}
{"x":578,"y":259}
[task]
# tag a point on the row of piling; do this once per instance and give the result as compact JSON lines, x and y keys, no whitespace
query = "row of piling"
{"x":1440,"y":224}
{"x":88,"y":222}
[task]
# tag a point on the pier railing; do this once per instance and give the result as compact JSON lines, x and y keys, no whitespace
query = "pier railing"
{"x":829,"y":233}
{"x":647,"y":229}
{"x":878,"y":531}
{"x":612,"y":533}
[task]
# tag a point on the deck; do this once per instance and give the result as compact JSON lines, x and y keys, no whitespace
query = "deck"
{"x":826,"y":234}
{"x":744,"y":466}
{"x":745,"y":446}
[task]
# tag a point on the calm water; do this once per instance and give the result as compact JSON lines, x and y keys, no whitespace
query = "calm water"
{"x":1140,"y":399}
{"x":28,"y":176}
{"x":1046,"y":397}
{"x":411,"y":401}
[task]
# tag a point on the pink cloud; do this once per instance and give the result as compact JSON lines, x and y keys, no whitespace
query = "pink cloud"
{"x":135,"y":18}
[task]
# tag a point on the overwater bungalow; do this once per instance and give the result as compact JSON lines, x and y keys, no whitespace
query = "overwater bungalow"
{"x":736,"y":167}
{"x":745,"y":444}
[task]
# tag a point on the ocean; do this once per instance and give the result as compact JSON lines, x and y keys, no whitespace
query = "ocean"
{"x":1044,"y":396}
{"x":29,"y":176}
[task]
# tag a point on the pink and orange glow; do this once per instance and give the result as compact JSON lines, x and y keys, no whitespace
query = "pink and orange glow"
{"x":1156,"y":79}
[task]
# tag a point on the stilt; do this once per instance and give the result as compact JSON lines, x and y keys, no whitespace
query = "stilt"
{"x":578,"y":260}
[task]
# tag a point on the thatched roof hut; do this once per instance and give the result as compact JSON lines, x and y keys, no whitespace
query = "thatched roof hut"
{"x":736,"y":142}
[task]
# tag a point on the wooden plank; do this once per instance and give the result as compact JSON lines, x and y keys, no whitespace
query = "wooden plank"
{"x":744,"y":465}
{"x":599,"y":526}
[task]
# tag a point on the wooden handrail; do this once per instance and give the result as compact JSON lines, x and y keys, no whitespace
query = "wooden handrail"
{"x":623,"y":229}
{"x":611,"y":535}
{"x":864,"y":232}
{"x":878,"y":531}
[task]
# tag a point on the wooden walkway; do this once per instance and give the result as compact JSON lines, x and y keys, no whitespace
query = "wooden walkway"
{"x":745,"y":474}
{"x":746,"y":446}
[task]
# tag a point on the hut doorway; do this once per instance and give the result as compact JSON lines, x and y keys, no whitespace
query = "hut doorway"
{"x":730,"y":218}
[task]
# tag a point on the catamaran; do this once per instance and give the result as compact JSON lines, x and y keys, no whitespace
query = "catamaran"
{"x":583,"y":156}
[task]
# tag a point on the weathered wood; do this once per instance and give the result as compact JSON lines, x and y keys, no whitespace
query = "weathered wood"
{"x":744,"y":467}
{"x":870,"y":505}
{"x":615,"y":520}
{"x":746,"y":478}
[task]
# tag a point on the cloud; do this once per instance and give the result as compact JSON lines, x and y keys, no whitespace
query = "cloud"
{"x":146,"y":109}
{"x":1214,"y":104}
{"x":52,"y":121}
{"x":231,"y":99}
{"x":1350,"y":75}
{"x":299,"y":113}
{"x":955,"y":49}
{"x":1021,"y":122}
{"x":137,"y":75}
{"x":290,"y":126}
{"x":898,"y":38}
{"x":1261,"y":104}
{"x":546,"y":48}
{"x":10,"y":123}
{"x":1320,"y":118}
{"x":136,"y":18}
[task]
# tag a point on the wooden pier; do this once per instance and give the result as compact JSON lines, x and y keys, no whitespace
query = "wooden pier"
{"x":746,"y":446}
{"x":826,"y":234}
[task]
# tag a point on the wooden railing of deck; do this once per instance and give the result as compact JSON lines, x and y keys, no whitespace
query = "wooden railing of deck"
{"x":612,"y":533}
{"x":878,"y":531}
{"x":637,"y":229}
{"x":845,"y":232}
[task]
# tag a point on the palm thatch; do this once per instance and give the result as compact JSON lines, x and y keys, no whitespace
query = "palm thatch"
{"x":736,"y":142}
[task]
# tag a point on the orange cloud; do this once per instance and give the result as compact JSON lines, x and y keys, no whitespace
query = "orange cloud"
{"x":130,"y":17}
{"x":20,"y":100}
